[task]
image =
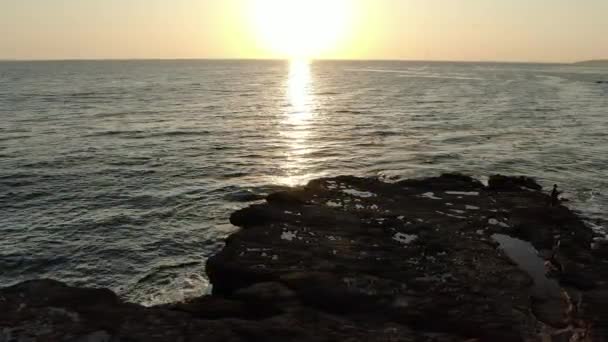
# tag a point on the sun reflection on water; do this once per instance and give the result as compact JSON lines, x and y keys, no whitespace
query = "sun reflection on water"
{"x":296,"y":125}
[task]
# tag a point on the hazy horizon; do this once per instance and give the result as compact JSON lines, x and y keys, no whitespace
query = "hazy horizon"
{"x":152,"y":59}
{"x":546,"y":31}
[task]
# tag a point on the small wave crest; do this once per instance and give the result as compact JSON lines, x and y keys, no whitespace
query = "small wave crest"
{"x":170,"y":283}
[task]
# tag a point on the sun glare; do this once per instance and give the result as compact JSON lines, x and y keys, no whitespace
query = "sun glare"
{"x":300,"y":29}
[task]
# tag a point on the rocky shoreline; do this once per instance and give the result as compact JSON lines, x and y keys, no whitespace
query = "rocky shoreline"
{"x":357,"y":259}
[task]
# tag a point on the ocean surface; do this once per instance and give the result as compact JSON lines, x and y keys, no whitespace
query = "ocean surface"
{"x":122,"y":174}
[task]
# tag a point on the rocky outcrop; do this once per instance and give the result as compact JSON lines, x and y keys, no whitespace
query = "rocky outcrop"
{"x":358,"y":259}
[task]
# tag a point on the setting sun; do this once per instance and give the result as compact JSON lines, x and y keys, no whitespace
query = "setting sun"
{"x":300,"y":29}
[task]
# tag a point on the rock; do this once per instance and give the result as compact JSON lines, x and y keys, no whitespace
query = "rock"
{"x":97,"y":336}
{"x":446,"y":181}
{"x":245,"y":196}
{"x":505,"y":183}
{"x":358,"y":259}
{"x":364,"y":247}
{"x":286,"y":198}
{"x":578,"y":280}
{"x":265,"y":293}
{"x":31,"y":312}
{"x":215,"y":308}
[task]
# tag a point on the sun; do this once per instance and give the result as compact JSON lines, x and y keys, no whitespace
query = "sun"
{"x":300,"y":29}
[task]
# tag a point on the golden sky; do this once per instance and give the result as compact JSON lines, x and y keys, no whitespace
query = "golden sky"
{"x":489,"y":30}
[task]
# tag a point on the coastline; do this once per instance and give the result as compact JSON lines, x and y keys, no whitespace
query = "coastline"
{"x":436,"y":259}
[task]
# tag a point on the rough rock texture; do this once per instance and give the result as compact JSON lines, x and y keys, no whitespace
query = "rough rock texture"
{"x":357,"y":259}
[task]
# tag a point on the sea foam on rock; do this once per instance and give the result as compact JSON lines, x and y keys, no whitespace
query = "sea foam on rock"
{"x":388,"y":262}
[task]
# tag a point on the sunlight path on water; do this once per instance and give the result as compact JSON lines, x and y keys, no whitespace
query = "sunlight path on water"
{"x":297,"y":121}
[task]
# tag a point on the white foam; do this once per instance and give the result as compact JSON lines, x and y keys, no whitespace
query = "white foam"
{"x":471,"y":207}
{"x":458,"y":211}
{"x":430,"y":195}
{"x":357,"y":193}
{"x":405,"y":238}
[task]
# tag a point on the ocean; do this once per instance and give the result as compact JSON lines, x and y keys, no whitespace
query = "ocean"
{"x":122,"y":174}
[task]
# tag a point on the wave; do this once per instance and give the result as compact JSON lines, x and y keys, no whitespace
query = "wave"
{"x":85,"y":94}
{"x":346,"y":111}
{"x":179,"y":133}
{"x":168,"y":267}
{"x":28,"y":264}
{"x":139,"y":134}
{"x":113,"y":133}
{"x":18,"y":137}
{"x":326,"y":93}
{"x":430,"y":101}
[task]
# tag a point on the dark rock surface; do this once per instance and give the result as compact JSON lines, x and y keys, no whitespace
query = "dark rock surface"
{"x":357,"y":259}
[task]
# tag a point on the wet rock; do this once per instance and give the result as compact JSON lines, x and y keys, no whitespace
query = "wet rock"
{"x":358,"y":259}
{"x":506,"y":183}
{"x":445,"y":181}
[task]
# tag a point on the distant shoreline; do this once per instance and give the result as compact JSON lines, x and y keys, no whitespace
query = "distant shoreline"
{"x":594,"y":63}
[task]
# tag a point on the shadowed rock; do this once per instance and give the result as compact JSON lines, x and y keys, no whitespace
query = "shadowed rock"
{"x":505,"y":183}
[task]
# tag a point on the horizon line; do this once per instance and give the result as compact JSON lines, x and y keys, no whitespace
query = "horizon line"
{"x":281,"y":59}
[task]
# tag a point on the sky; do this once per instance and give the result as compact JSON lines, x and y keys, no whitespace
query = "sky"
{"x":458,"y":30}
